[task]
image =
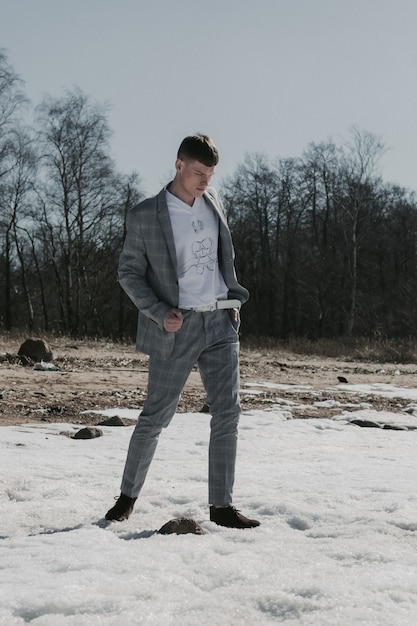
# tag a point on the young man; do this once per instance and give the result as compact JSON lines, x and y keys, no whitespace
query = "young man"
{"x":177,"y":266}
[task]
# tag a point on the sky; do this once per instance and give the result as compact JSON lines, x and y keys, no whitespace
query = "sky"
{"x":336,"y":545}
{"x":264,"y":76}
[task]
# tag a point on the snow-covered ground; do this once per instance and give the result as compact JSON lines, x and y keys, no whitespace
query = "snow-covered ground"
{"x":337,"y":544}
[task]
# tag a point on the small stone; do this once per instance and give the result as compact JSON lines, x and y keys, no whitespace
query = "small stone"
{"x":365,"y":423}
{"x":35,"y":349}
{"x":88,"y":433}
{"x":181,"y":526}
{"x":112,"y":421}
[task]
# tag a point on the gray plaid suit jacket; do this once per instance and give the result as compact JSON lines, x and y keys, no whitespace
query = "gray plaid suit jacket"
{"x":148,"y":269}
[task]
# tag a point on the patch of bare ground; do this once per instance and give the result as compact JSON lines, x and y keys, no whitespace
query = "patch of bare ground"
{"x":97,"y":375}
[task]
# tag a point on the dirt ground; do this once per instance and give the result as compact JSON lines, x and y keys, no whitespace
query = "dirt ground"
{"x":95,"y":375}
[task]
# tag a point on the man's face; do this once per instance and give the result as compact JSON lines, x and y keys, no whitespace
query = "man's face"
{"x":193,"y":178}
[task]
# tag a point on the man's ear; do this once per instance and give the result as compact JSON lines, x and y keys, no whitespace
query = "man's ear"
{"x":179,"y":164}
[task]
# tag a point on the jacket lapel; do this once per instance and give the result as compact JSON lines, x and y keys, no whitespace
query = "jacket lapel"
{"x":211,"y":199}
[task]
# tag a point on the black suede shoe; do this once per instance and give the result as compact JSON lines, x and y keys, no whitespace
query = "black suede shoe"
{"x":122,"y":509}
{"x":231,"y":517}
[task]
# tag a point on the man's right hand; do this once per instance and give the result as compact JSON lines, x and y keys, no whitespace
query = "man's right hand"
{"x":172,"y":320}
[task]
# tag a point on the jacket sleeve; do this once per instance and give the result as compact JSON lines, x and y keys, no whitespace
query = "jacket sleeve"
{"x":133,"y":269}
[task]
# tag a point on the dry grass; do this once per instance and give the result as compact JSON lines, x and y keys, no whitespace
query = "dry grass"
{"x":370,"y":350}
{"x":378,"y":350}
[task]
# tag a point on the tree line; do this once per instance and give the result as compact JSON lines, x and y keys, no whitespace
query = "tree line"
{"x":62,"y":213}
{"x":325,"y":247}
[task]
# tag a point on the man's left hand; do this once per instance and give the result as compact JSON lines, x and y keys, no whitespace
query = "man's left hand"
{"x":234,"y":315}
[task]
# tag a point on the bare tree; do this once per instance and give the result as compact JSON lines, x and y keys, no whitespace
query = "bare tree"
{"x":320,"y":173}
{"x":80,"y":201}
{"x":12,"y":100}
{"x":358,"y":171}
{"x":21,"y":180}
{"x":250,"y":202}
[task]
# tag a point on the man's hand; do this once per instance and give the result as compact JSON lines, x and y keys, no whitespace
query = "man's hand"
{"x":172,"y":320}
{"x":234,"y":315}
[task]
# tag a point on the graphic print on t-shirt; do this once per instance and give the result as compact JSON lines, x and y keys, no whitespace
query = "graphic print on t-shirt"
{"x":203,"y":257}
{"x":198,"y":225}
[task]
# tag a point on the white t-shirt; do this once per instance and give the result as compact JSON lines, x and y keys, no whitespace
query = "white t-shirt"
{"x":196,"y":234}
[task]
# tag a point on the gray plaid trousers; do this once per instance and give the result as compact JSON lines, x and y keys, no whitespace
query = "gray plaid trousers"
{"x":210,"y":340}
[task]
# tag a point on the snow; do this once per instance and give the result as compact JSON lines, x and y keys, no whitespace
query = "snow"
{"x":336,"y":546}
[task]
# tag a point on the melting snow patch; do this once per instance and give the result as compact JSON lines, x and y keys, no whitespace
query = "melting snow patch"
{"x":381,"y":389}
{"x":281,"y":387}
{"x":380,"y":418}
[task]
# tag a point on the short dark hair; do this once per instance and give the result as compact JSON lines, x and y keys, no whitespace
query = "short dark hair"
{"x":198,"y":147}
